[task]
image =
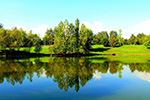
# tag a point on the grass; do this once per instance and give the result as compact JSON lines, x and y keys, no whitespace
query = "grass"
{"x":125,"y":49}
{"x":123,"y":59}
{"x":45,"y":50}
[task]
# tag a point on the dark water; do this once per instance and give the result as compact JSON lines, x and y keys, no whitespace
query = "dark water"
{"x":74,"y":78}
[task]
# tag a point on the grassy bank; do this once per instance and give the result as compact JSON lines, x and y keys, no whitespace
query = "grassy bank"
{"x":125,"y":50}
{"x":130,"y":50}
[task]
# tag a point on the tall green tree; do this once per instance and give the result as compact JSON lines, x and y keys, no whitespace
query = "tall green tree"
{"x":146,"y":41}
{"x":140,"y":37}
{"x":113,"y":33}
{"x":77,"y":35}
{"x":85,"y":37}
{"x":132,"y":39}
{"x":113,"y":41}
{"x":120,"y":39}
{"x":38,"y":46}
{"x":59,"y":39}
{"x":102,"y":35}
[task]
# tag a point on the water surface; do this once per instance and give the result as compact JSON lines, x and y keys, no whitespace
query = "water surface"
{"x":74,"y":78}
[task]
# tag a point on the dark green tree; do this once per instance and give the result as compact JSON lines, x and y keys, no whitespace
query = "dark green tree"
{"x":113,"y":33}
{"x":132,"y":39}
{"x":38,"y":46}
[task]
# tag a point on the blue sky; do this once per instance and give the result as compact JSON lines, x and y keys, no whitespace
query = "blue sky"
{"x":132,"y":16}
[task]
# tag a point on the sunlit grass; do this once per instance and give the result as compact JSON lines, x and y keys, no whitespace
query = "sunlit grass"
{"x":125,"y":49}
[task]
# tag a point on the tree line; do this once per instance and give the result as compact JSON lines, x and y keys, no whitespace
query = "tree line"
{"x":67,"y":38}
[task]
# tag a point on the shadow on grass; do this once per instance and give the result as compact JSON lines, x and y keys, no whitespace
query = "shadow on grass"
{"x":25,"y":54}
{"x":20,"y":54}
{"x":99,"y":49}
{"x":148,"y":47}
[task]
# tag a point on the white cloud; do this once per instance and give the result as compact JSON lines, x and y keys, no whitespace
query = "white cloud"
{"x":143,"y":27}
{"x":143,"y":75}
{"x":41,"y":29}
{"x":97,"y":75}
{"x":96,"y":27}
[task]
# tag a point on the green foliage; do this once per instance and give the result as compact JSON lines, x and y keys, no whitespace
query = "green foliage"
{"x":105,"y":42}
{"x":132,"y":39}
{"x":76,"y":36}
{"x":125,"y":42}
{"x":68,"y":39}
{"x":38,"y":46}
{"x":140,"y":37}
{"x":146,"y":41}
{"x":119,"y":38}
{"x":113,"y":33}
{"x":85,"y":37}
{"x":113,"y":41}
{"x":95,"y":39}
{"x":48,"y":39}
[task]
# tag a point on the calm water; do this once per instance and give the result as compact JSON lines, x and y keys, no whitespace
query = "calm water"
{"x":74,"y":78}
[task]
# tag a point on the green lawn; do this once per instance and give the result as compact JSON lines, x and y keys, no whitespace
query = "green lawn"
{"x":125,"y":49}
{"x":45,"y":49}
{"x":130,"y":50}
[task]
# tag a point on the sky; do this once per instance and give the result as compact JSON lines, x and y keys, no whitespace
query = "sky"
{"x":132,"y":16}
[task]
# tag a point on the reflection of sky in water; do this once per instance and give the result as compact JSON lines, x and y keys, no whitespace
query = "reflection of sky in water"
{"x":103,"y":86}
{"x":97,"y":75}
{"x":142,"y":75}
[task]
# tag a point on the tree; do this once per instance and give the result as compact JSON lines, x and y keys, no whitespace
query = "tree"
{"x":85,"y":37}
{"x":140,"y":37}
{"x":20,"y":39}
{"x":77,"y":35}
{"x":125,"y":42}
{"x":1,"y":25}
{"x":113,"y":33}
{"x":102,"y":35}
{"x":120,"y":39}
{"x":146,"y":41}
{"x":132,"y":39}
{"x":113,"y":41}
{"x":105,"y":42}
{"x":38,"y":46}
{"x":95,"y":39}
{"x":59,"y":39}
{"x":30,"y":40}
{"x":49,"y":37}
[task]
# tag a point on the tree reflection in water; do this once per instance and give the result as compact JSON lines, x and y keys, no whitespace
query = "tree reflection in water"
{"x":67,"y":72}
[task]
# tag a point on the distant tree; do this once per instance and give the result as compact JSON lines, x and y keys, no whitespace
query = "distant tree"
{"x":1,"y":25}
{"x":125,"y":42}
{"x":120,"y":39}
{"x":113,"y":41}
{"x":38,"y":46}
{"x":59,"y":39}
{"x":140,"y":37}
{"x":31,"y":39}
{"x":105,"y":42}
{"x":146,"y":41}
{"x":132,"y":39}
{"x":20,"y":39}
{"x":77,"y":22}
{"x":85,"y":37}
{"x":49,"y":37}
{"x":95,"y":39}
{"x":113,"y":33}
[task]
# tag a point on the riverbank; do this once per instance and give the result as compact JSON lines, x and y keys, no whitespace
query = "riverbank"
{"x":125,"y":50}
